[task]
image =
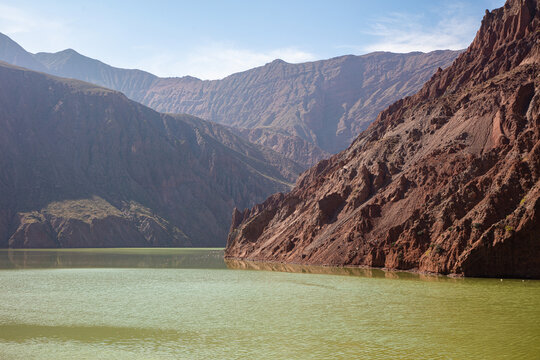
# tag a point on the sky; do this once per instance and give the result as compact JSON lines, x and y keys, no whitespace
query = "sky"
{"x":213,"y":39}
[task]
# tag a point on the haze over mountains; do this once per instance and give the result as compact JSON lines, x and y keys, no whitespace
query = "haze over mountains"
{"x":13,"y":53}
{"x":304,"y":111}
{"x":83,"y":166}
{"x":446,"y":180}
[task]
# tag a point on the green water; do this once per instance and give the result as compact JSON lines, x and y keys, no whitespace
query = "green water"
{"x":189,"y":304}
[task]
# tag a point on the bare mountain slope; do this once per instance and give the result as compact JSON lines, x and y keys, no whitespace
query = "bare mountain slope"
{"x":326,"y":102}
{"x":83,"y":166}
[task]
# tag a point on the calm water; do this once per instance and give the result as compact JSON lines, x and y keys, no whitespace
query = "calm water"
{"x":190,"y":304}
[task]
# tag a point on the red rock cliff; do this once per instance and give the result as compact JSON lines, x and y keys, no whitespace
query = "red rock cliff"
{"x":445,"y":181}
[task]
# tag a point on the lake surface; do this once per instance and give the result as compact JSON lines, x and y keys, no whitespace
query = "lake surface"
{"x":190,"y":304}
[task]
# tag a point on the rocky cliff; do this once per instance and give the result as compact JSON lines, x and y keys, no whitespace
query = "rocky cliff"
{"x":326,"y":103}
{"x":445,"y":181}
{"x":305,"y":111}
{"x":83,"y":166}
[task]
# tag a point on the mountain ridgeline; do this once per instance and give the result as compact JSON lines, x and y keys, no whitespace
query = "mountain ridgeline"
{"x":83,"y":166}
{"x":304,"y":111}
{"x":445,"y":181}
{"x":327,"y":103}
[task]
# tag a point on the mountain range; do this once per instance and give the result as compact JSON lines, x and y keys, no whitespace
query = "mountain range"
{"x":304,"y":111}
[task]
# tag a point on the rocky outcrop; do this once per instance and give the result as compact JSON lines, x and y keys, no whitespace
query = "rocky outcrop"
{"x":445,"y":181}
{"x":303,"y":111}
{"x":94,"y":222}
{"x":83,"y":166}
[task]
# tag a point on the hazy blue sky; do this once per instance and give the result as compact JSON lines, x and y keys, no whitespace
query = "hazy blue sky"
{"x":212,"y":39}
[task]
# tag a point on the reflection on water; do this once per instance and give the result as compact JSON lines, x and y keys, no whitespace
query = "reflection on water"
{"x":346,"y":271}
{"x":113,"y":258}
{"x":176,"y":258}
{"x":179,"y":258}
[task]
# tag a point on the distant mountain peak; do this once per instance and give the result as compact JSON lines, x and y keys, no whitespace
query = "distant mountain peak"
{"x":277,"y":62}
{"x":190,"y":78}
{"x":13,"y":53}
{"x":69,"y":51}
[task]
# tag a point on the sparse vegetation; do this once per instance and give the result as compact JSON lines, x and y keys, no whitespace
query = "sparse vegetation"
{"x":83,"y":209}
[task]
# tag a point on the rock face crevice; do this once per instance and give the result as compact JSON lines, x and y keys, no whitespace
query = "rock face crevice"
{"x":446,"y":180}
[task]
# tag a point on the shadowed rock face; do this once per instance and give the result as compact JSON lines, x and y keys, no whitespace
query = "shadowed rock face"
{"x":304,"y":111}
{"x":445,"y":181}
{"x":83,"y":166}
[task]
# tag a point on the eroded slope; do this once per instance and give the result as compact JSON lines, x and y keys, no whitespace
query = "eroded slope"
{"x":444,"y":181}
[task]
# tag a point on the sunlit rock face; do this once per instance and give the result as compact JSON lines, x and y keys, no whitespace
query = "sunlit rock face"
{"x":446,"y":180}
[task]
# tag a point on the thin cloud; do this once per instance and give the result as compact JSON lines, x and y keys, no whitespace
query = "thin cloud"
{"x":403,"y":32}
{"x":24,"y":25}
{"x":216,"y":61}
